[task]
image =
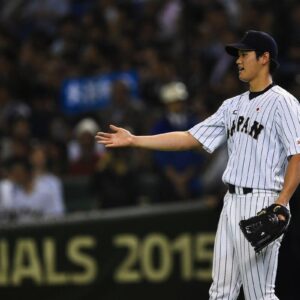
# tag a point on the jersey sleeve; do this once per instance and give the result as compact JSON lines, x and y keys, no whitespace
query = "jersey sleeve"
{"x":211,"y":133}
{"x":288,"y":125}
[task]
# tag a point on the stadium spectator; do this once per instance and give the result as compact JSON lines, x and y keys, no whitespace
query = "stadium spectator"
{"x":124,"y":110}
{"x":24,"y":197}
{"x":42,"y":166}
{"x":16,"y":140}
{"x":115,"y":167}
{"x":178,"y":168}
{"x":83,"y":153}
{"x":44,"y":43}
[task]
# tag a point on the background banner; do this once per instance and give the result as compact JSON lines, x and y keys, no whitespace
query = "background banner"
{"x":136,"y":254}
{"x":79,"y":95}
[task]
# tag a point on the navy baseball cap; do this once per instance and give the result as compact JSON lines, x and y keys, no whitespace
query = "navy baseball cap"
{"x":255,"y":41}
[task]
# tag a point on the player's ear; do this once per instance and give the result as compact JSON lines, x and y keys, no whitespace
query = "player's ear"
{"x":265,"y":58}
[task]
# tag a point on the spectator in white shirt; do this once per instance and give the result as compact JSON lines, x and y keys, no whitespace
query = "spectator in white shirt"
{"x":25,"y":198}
{"x":41,"y":171}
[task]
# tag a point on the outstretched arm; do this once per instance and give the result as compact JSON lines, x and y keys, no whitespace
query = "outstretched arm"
{"x":171,"y":141}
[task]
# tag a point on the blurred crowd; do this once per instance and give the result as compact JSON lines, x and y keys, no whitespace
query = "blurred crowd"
{"x":177,"y":49}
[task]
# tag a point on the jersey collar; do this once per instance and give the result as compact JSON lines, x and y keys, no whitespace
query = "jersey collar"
{"x":255,"y":94}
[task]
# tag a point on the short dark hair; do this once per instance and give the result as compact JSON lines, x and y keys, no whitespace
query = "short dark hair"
{"x":272,"y":66}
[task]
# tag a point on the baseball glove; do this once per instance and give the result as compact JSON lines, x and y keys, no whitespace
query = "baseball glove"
{"x":266,"y":226}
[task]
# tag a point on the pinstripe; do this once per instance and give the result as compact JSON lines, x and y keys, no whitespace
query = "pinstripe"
{"x":264,"y":143}
{"x":260,"y":133}
{"x":288,"y":110}
{"x":268,"y":266}
{"x":214,"y":118}
{"x":272,"y":254}
{"x":233,"y":252}
{"x":237,"y":236}
{"x":240,"y":183}
{"x":278,"y":162}
{"x":243,"y":255}
{"x":273,"y":277}
{"x":264,"y":205}
{"x":257,"y":262}
{"x":285,"y":139}
{"x":236,"y":273}
{"x":237,"y":144}
{"x":232,"y":273}
{"x":242,"y":266}
{"x":235,"y":288}
{"x":237,"y":239}
{"x":217,"y":259}
{"x":252,"y":266}
{"x":214,"y":262}
{"x":273,"y":171}
{"x":247,"y":172}
{"x":282,"y":118}
{"x":265,"y":254}
{"x":219,"y":256}
{"x":255,"y":167}
{"x":250,"y":258}
{"x":249,"y":277}
{"x":248,"y":169}
{"x":225,"y":264}
{"x":291,"y":118}
{"x":211,"y":133}
{"x":258,"y":165}
{"x":251,"y":255}
{"x":217,"y":134}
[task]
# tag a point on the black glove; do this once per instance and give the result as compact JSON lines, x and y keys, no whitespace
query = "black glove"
{"x":265,"y":227}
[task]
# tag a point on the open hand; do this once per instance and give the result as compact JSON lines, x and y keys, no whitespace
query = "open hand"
{"x":120,"y":137}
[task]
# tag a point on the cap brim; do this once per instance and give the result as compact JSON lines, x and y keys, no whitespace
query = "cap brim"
{"x":233,"y":49}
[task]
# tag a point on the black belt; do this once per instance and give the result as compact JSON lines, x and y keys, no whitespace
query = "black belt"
{"x":232,"y":189}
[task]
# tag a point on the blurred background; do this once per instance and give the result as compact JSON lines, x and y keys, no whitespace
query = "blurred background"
{"x":69,"y":68}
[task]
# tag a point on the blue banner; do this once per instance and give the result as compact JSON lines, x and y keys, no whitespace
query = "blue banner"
{"x":83,"y":94}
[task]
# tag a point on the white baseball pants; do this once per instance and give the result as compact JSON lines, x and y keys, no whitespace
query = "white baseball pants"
{"x":235,"y":262}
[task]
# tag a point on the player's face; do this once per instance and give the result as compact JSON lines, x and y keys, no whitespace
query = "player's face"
{"x":248,"y":65}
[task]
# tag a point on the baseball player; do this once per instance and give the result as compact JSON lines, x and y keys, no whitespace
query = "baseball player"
{"x":262,"y":130}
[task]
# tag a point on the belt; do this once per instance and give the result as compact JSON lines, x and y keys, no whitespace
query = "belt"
{"x":239,"y":190}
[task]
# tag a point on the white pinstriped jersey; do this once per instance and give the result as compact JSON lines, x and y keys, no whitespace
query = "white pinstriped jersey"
{"x":261,"y":133}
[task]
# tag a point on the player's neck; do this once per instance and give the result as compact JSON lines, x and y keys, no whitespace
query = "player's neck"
{"x":258,"y":84}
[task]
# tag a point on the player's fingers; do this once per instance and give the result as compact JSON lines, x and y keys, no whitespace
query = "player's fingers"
{"x":103,"y":141}
{"x":103,"y":134}
{"x":106,"y":143}
{"x":114,"y":128}
{"x":100,"y":138}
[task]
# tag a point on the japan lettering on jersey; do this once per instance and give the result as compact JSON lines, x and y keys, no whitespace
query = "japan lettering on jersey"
{"x":260,"y":133}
